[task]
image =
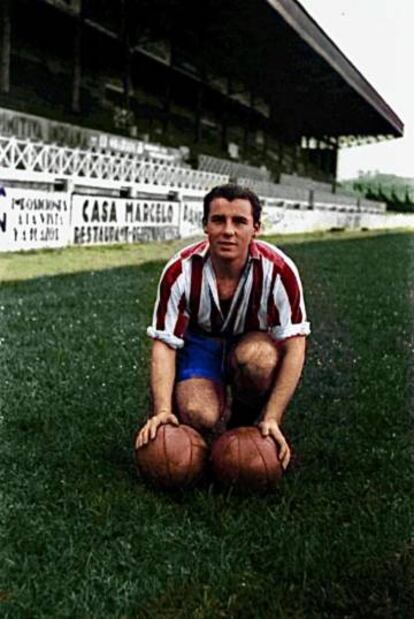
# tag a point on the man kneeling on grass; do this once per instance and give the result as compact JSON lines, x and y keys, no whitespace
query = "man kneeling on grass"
{"x":229,"y":313}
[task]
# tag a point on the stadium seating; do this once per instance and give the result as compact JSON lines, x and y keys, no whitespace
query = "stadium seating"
{"x":232,"y":168}
{"x":29,"y":162}
{"x":294,"y":180}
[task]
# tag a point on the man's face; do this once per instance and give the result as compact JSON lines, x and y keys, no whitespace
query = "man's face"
{"x":230,"y":228}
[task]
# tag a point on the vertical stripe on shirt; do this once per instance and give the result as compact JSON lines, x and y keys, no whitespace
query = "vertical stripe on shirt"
{"x":293,"y":292}
{"x":203,"y":318}
{"x":237,"y":318}
{"x":252,"y":318}
{"x":168,"y":280}
{"x":282,"y":303}
{"x":182,"y":319}
{"x":272,"y":311}
{"x":195,"y":290}
{"x":174,"y":306}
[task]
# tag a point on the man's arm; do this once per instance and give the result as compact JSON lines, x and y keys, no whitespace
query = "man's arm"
{"x":291,"y":365}
{"x":162,"y":386}
{"x":162,"y":376}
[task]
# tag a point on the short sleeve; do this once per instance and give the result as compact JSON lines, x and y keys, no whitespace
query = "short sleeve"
{"x":170,"y":317}
{"x":290,"y":312}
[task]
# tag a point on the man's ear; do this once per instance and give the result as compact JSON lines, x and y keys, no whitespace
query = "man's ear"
{"x":205,"y":226}
{"x":256,"y":227}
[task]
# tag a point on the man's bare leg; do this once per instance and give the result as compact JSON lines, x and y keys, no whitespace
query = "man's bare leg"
{"x":253,"y":365}
{"x":199,"y":403}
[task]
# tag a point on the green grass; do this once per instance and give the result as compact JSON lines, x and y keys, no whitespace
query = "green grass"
{"x":27,"y":264}
{"x":83,"y":538}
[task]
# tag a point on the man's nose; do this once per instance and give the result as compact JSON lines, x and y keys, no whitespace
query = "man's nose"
{"x":229,"y":227}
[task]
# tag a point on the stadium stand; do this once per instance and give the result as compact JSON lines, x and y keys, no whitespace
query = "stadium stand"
{"x":147,"y":116}
{"x":274,"y":190}
{"x":294,"y":180}
{"x":231,"y":168}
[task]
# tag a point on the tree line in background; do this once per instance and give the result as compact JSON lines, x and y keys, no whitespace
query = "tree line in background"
{"x":395,"y":191}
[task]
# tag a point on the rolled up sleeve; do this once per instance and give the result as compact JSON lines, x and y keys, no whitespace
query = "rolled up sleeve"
{"x":170,"y":317}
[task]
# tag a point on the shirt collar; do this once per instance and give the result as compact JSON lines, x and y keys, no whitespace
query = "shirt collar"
{"x":253,"y":250}
{"x":202,"y":251}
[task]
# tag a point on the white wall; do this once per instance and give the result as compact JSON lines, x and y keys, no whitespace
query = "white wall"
{"x":31,"y":219}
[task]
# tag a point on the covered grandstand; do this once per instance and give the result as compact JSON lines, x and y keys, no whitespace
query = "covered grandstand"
{"x":159,"y":101}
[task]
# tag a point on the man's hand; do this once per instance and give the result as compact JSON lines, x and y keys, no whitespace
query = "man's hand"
{"x":271,"y":428}
{"x":149,"y":431}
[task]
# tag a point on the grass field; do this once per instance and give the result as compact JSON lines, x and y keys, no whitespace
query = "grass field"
{"x":83,"y":538}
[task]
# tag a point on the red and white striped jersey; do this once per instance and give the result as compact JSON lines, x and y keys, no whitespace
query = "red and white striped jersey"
{"x":269,"y":297}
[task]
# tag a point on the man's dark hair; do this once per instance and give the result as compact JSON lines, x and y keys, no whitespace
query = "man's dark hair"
{"x":232,"y":192}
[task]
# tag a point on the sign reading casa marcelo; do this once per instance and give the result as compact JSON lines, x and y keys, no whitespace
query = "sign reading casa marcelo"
{"x":97,"y":220}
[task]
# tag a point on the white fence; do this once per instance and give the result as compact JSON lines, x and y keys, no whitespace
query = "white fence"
{"x":25,"y":160}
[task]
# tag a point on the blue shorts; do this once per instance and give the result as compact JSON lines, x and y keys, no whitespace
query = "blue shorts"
{"x":203,"y":356}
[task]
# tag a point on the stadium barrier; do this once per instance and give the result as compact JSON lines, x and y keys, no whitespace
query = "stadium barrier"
{"x":31,"y":219}
{"x":39,"y":219}
{"x":54,"y":195}
{"x":35,"y":219}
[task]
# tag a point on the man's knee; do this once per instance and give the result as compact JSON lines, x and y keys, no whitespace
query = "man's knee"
{"x":199,"y":419}
{"x":199,"y":403}
{"x":254,"y":361}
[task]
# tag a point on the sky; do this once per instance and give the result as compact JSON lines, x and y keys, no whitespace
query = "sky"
{"x":378,"y":37}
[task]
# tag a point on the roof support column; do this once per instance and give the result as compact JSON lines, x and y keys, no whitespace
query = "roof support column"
{"x":305,"y":155}
{"x":5,"y":49}
{"x":201,"y":84}
{"x":265,"y":139}
{"x":166,"y":108}
{"x":247,"y":126}
{"x":295,"y":157}
{"x":198,"y":113}
{"x":225,"y":117}
{"x":334,"y":165}
{"x":281,"y":155}
{"x":77,"y":61}
{"x":127,"y":56}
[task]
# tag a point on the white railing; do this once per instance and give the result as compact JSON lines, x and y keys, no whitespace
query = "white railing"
{"x":29,"y":161}
{"x":23,"y":158}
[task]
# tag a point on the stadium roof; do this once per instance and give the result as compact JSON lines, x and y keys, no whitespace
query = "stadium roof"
{"x":270,"y":55}
{"x":281,"y":56}
{"x":335,"y":70}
